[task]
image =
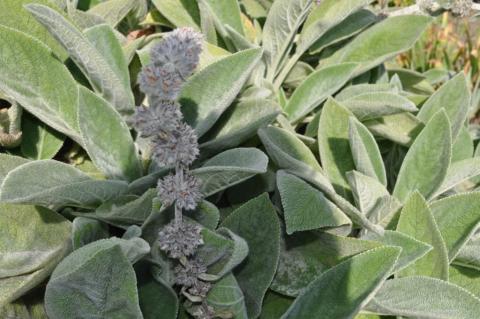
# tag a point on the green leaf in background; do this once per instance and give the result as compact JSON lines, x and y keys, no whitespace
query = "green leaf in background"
{"x":367,"y":106}
{"x":226,"y":297}
{"x":9,"y":162}
{"x":114,"y":11}
{"x":124,"y":211}
{"x":305,"y":255}
{"x":104,"y":79}
{"x":62,"y":185}
{"x":424,"y":297}
{"x":274,"y":305}
{"x":86,"y":231}
{"x":256,"y":221}
{"x":400,"y":128}
{"x":106,"y":42}
{"x":412,"y":249}
{"x":457,"y":219}
{"x":238,"y":123}
{"x":287,"y":150}
{"x":47,"y":89}
{"x":306,"y":208}
{"x":459,"y":172}
{"x":209,"y":92}
{"x":368,"y":192}
{"x":383,"y":41}
{"x":107,"y":138}
{"x":341,"y":291}
{"x":463,"y":146}
{"x":334,"y":146}
{"x":466,"y":278}
{"x":426,"y":163}
{"x":454,"y":98}
{"x":29,"y":252}
{"x":417,"y":221}
{"x":228,"y":13}
{"x":155,"y":296}
{"x":316,"y":88}
{"x":96,"y":280}
{"x":230,"y":168}
{"x":14,"y":15}
{"x":181,"y":13}
{"x":352,"y":91}
{"x":365,"y":152}
{"x":39,"y":141}
{"x":283,"y":21}
{"x":350,"y":26}
{"x":324,"y":17}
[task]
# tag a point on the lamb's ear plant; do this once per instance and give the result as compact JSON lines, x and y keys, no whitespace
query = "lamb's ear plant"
{"x":233,"y":159}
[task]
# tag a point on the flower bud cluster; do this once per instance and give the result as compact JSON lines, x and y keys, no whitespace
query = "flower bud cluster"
{"x":175,"y":144}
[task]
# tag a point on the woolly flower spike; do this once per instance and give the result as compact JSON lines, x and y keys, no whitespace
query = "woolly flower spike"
{"x":181,"y":241}
{"x":187,"y":275}
{"x":426,"y":5}
{"x":179,"y":146}
{"x":160,"y":81}
{"x":203,"y":311}
{"x":161,"y":116}
{"x":462,"y":8}
{"x":180,"y":51}
{"x":181,"y":188}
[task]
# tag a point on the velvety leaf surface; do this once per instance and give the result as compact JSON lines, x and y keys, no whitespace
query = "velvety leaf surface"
{"x":21,"y":20}
{"x":316,"y":88}
{"x":325,"y":16}
{"x":96,"y":280}
{"x":62,"y":185}
{"x":417,"y":221}
{"x":350,"y":26}
{"x":426,"y":163}
{"x":209,"y":92}
{"x":111,"y":85}
{"x":304,"y":256}
{"x":283,"y":21}
{"x":287,"y":150}
{"x":306,"y":208}
{"x":424,"y":297}
{"x":454,"y":98}
{"x":412,"y":249}
{"x":230,"y":168}
{"x":28,"y":251}
{"x":47,"y":89}
{"x":238,"y":123}
{"x":367,"y":192}
{"x":457,"y":218}
{"x":179,"y":13}
{"x":369,"y":106}
{"x":365,"y":151}
{"x":227,"y":297}
{"x":341,"y":291}
{"x":86,"y":231}
{"x":113,"y":11}
{"x":155,"y":297}
{"x":383,"y":41}
{"x":459,"y":172}
{"x":125,"y":210}
{"x":9,"y":162}
{"x":38,"y":140}
{"x":334,"y":146}
{"x":256,"y":221}
{"x":107,"y":138}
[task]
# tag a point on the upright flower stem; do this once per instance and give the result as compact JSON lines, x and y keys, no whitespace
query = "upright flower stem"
{"x":178,"y":209}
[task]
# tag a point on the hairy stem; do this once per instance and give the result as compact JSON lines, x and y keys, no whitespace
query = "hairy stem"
{"x":178,"y":209}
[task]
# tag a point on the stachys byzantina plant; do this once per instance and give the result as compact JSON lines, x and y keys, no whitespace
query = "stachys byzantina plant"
{"x":367,"y":208}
